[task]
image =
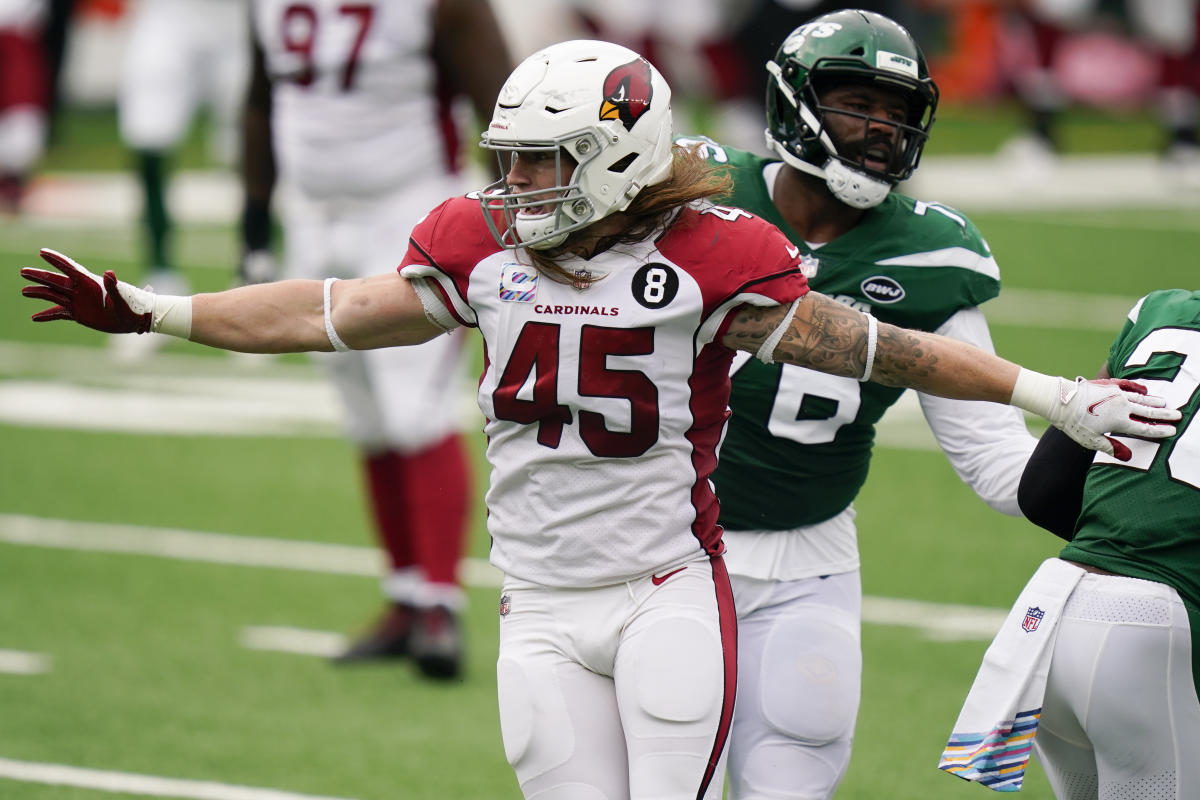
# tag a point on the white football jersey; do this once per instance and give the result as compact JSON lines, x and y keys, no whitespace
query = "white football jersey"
{"x":23,"y":15}
{"x":355,"y":110}
{"x":605,"y":406}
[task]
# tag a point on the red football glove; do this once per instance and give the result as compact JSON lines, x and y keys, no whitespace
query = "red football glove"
{"x":104,"y":304}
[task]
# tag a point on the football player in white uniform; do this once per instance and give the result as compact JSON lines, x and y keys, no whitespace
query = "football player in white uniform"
{"x":348,"y":101}
{"x":181,"y":56}
{"x":23,"y":97}
{"x":1165,"y":30}
{"x":611,"y":300}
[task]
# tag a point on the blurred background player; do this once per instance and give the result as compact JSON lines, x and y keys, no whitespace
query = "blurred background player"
{"x":849,"y":107}
{"x":1163,"y":33}
{"x":182,"y":56}
{"x":350,"y":105}
{"x":1120,"y":715}
{"x":24,"y":94}
{"x":767,"y":23}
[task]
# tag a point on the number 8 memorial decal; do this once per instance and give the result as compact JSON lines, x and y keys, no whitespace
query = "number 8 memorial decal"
{"x":655,"y":285}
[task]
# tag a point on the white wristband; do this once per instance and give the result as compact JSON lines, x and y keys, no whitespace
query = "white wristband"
{"x":872,"y":340}
{"x":1038,"y":394}
{"x":172,"y":316}
{"x":334,"y":339}
{"x":766,"y":351}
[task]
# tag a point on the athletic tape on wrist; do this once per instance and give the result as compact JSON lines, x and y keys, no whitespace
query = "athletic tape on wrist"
{"x":334,"y":339}
{"x":872,"y":339}
{"x":766,"y":352}
{"x":1039,"y":394}
{"x":172,"y":316}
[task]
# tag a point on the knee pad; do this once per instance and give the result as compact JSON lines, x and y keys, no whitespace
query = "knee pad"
{"x":683,"y":676}
{"x":515,"y":698}
{"x":557,"y":753}
{"x":810,"y":680}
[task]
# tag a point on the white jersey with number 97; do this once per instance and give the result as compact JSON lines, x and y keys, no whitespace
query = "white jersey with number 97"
{"x":354,"y":94}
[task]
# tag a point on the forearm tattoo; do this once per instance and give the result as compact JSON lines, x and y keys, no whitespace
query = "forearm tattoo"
{"x":826,"y":336}
{"x":903,"y":358}
{"x":831,"y":337}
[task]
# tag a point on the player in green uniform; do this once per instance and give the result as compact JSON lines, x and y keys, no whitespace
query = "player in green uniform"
{"x":849,"y":110}
{"x":1120,"y":715}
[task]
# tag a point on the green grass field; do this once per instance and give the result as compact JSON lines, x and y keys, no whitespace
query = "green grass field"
{"x":143,"y":670}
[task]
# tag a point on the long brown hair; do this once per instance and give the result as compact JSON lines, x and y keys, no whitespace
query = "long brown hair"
{"x":692,"y":178}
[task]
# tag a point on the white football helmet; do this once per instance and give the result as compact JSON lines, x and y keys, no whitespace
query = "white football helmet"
{"x":597,"y":105}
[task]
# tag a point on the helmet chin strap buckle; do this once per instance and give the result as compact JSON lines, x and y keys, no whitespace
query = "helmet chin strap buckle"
{"x":854,"y":188}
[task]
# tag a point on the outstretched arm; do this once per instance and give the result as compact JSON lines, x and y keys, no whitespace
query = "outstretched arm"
{"x":284,"y":317}
{"x":831,"y":337}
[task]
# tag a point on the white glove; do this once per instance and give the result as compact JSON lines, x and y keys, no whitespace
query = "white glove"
{"x":1087,"y":410}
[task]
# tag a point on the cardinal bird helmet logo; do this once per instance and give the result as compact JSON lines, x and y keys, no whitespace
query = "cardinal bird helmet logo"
{"x":627,"y":93}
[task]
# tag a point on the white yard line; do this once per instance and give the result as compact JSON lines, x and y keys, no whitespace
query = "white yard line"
{"x":992,"y":183}
{"x":971,"y":183}
{"x":215,"y":548}
{"x":147,"y":785}
{"x":1027,"y":308}
{"x":80,"y":388}
{"x":17,"y":662}
{"x":300,"y":641}
{"x":944,"y":622}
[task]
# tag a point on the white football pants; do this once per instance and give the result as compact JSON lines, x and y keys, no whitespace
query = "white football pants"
{"x":799,"y":677}
{"x":181,"y":55}
{"x":1121,"y":719}
{"x":620,"y":692}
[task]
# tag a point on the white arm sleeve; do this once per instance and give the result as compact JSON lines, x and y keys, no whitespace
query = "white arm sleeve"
{"x":987,"y":443}
{"x":435,"y":310}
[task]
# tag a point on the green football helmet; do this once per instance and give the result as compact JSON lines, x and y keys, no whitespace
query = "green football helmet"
{"x":848,"y":46}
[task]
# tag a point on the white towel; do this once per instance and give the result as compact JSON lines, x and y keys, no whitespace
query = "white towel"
{"x":994,"y":734}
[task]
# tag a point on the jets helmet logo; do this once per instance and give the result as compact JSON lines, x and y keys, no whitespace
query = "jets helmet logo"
{"x":627,"y":93}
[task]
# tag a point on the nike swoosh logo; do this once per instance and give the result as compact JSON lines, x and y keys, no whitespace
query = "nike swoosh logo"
{"x":1093,"y":406}
{"x":792,"y":251}
{"x":658,"y":580}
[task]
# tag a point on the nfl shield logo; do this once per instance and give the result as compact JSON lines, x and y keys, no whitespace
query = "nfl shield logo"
{"x":583,"y":279}
{"x":1033,"y":617}
{"x":505,"y":605}
{"x":809,"y":266}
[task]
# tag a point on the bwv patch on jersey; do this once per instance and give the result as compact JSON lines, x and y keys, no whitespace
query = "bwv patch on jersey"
{"x":518,"y":283}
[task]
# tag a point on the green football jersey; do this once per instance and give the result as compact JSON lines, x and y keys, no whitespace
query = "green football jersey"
{"x":1141,"y":518}
{"x":798,"y":444}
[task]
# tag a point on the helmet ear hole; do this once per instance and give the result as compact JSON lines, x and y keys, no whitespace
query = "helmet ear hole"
{"x":622,"y":164}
